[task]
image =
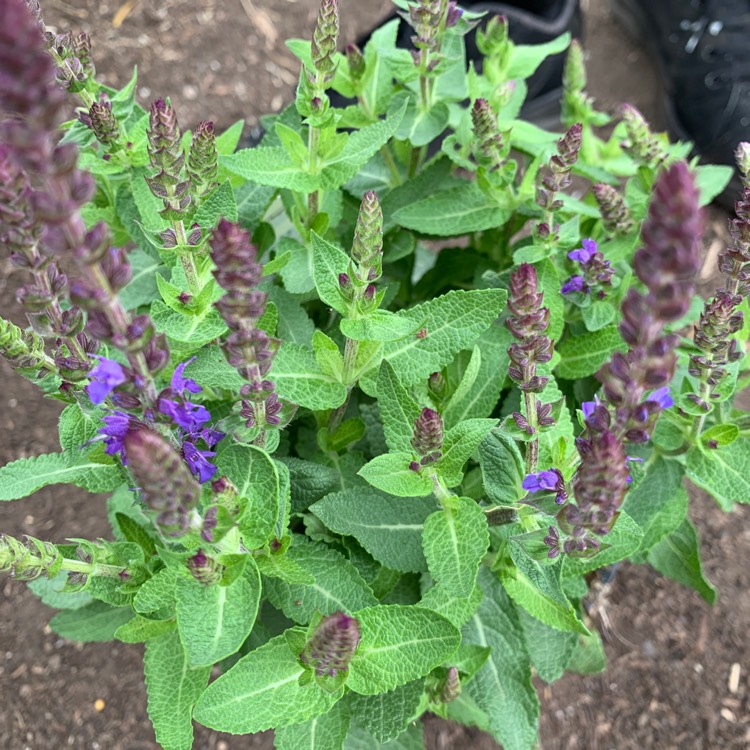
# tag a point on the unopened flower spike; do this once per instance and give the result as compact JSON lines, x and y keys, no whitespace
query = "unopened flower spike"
{"x":490,"y":146}
{"x":28,"y":560}
{"x":615,"y":212}
{"x":325,"y":38}
{"x":367,"y":247}
{"x":642,"y":144}
{"x":103,"y":122}
{"x":206,"y":570}
{"x":203,"y":161}
{"x":427,"y":437}
{"x":333,"y":644}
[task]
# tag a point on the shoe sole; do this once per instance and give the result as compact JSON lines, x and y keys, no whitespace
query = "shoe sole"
{"x":632,"y":21}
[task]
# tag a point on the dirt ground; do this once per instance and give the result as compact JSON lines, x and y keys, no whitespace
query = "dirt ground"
{"x":667,"y":686}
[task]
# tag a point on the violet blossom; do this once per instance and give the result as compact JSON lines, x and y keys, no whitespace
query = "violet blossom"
{"x":105,"y":377}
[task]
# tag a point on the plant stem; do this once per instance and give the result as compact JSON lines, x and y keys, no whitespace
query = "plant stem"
{"x":313,"y":199}
{"x":91,"y":569}
{"x":532,"y":447}
{"x":350,"y":355}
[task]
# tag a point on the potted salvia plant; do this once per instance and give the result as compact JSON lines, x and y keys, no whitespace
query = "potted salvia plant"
{"x":373,"y":400}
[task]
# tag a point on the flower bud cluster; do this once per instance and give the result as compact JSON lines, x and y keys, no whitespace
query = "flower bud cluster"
{"x":615,"y":212}
{"x":333,"y":644}
{"x":28,"y":560}
{"x":205,"y":569}
{"x":642,"y":144}
{"x":357,"y":286}
{"x":103,"y":122}
{"x":425,"y":18}
{"x":24,"y":350}
{"x":491,"y":148}
{"x":427,"y":438}
{"x":666,"y":264}
{"x":556,"y":177}
{"x":167,"y":487}
{"x":168,"y":159}
{"x":528,"y":322}
{"x":72,"y":56}
{"x":596,"y":273}
{"x":247,"y":348}
{"x":312,"y":99}
{"x":203,"y":161}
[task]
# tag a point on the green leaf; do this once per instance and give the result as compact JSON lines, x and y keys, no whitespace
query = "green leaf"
{"x":252,"y":202}
{"x":256,"y":478}
{"x":328,"y":263}
{"x":380,"y":325}
{"x":711,"y":179}
{"x":451,"y":322}
{"x":550,"y":649}
{"x":455,"y":540}
{"x":550,"y":283}
{"x":327,"y":355}
{"x":282,"y":567}
{"x":503,"y":468}
{"x":211,"y":370}
{"x":421,"y":126}
{"x":458,"y":446}
{"x":589,"y":656}
{"x":678,"y":557}
{"x":52,"y":592}
{"x":214,"y":621}
{"x":227,"y":142}
{"x":338,"y":585}
{"x":411,"y":739}
{"x":327,"y":731}
{"x":263,"y":691}
{"x":141,"y":288}
{"x":456,"y":609}
{"x":76,"y":427}
{"x":173,"y":688}
{"x":453,"y":212}
{"x":94,"y":622}
{"x":391,"y":473}
{"x":157,"y":594}
{"x":622,"y":541}
{"x":535,"y":586}
{"x":658,"y":503}
{"x":27,"y":475}
{"x":398,"y":410}
{"x":310,"y":482}
{"x":387,"y":715}
{"x":721,"y":434}
{"x":502,"y":688}
{"x":598,"y":315}
{"x":389,"y":528}
{"x":723,"y":472}
{"x":583,"y":355}
{"x":295,"y":326}
{"x":397,"y":645}
{"x":140,"y":629}
{"x":526,"y":58}
{"x":300,"y":380}
{"x":192,"y":331}
{"x":220,"y":204}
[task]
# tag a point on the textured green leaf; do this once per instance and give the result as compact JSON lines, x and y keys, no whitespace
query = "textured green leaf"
{"x":456,"y":609}
{"x":227,"y":142}
{"x":328,"y":263}
{"x":453,"y":212}
{"x":256,"y":478}
{"x":192,"y":331}
{"x":25,"y":476}
{"x":536,"y":587}
{"x":391,"y":473}
{"x":550,"y":283}
{"x":468,"y":379}
{"x":379,"y":325}
{"x":526,"y":58}
{"x":421,"y":126}
{"x":387,"y":715}
{"x":658,"y":504}
{"x":460,"y":443}
{"x":94,"y":622}
{"x":220,"y":204}
{"x":398,"y":644}
{"x":157,"y":594}
{"x":338,"y":585}
{"x":213,"y":621}
{"x":295,"y":326}
{"x":325,"y":732}
{"x":451,"y":322}
{"x":50,"y":591}
{"x":141,"y":288}
{"x":550,"y":649}
{"x":583,"y":355}
{"x":300,"y":380}
{"x":678,"y":557}
{"x":711,"y":179}
{"x":598,"y":315}
{"x":588,"y":656}
{"x":411,"y":739}
{"x":310,"y":482}
{"x":76,"y":427}
{"x":211,"y":370}
{"x":502,"y":688}
{"x":724,"y":472}
{"x":455,"y":540}
{"x":262,"y":690}
{"x":503,"y":468}
{"x":141,"y":629}
{"x":252,"y":201}
{"x":389,"y":528}
{"x":173,"y":688}
{"x":398,"y":410}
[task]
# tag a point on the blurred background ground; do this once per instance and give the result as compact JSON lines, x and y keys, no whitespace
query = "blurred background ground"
{"x":668,"y":684}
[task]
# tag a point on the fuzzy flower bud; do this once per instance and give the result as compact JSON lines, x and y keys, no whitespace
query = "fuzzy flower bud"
{"x":556,"y":176}
{"x":356,"y":62}
{"x":203,"y":160}
{"x":333,"y":644}
{"x":451,"y":688}
{"x":425,"y":20}
{"x":615,"y":212}
{"x":165,"y":481}
{"x":103,"y":123}
{"x":642,"y":145}
{"x":30,"y":560}
{"x":367,"y":248}
{"x":427,"y":438}
{"x":205,"y":569}
{"x":742,"y":157}
{"x":324,"y":41}
{"x":491,"y":149}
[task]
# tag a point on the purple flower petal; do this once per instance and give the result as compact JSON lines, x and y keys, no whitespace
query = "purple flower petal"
{"x":544,"y":480}
{"x":180,"y":383}
{"x":105,"y":377}
{"x":117,"y":424}
{"x":211,"y":437}
{"x":573,"y":284}
{"x":662,"y":397}
{"x":587,"y":407}
{"x":198,"y":463}
{"x":191,"y":417}
{"x":584,"y":254}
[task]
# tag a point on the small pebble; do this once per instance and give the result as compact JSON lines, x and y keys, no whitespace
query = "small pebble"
{"x":734,"y":678}
{"x":99,"y":705}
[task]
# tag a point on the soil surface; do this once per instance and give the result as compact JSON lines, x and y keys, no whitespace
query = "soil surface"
{"x":668,"y":684}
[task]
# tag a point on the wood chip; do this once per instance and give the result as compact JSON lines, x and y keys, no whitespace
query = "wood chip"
{"x":734,"y":678}
{"x":728,"y":715}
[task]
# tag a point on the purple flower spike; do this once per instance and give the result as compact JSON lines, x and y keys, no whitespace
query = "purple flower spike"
{"x":584,"y":254}
{"x":117,"y":424}
{"x":105,"y":377}
{"x":662,"y":397}
{"x":544,"y":481}
{"x":588,"y":407}
{"x":197,"y":460}
{"x":573,"y":284}
{"x":191,"y":417}
{"x":180,"y":384}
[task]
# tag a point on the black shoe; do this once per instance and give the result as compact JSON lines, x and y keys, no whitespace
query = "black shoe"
{"x":703,"y":51}
{"x":554,"y":18}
